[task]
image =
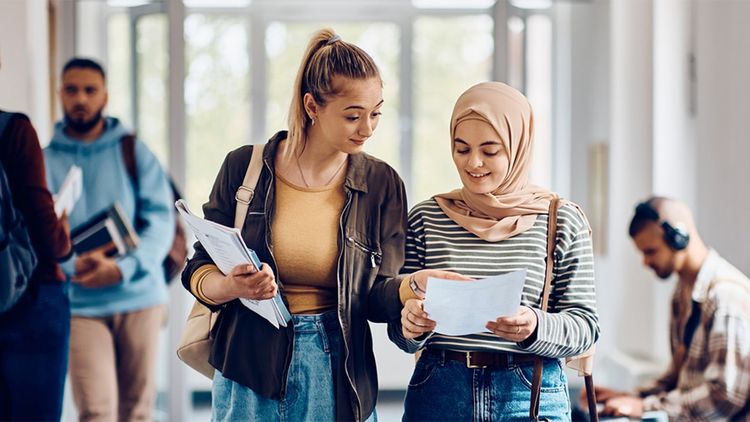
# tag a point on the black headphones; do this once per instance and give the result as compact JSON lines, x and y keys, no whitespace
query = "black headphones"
{"x":675,"y":237}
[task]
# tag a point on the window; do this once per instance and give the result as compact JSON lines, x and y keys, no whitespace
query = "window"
{"x":450,"y":55}
{"x":285,"y":44}
{"x":217,"y":97}
{"x":241,"y":58}
{"x":152,"y":68}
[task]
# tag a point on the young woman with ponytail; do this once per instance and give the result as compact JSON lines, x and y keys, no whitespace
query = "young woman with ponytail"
{"x":328,"y":222}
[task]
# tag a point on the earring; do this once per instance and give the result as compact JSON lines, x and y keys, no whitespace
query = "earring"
{"x":312,"y":121}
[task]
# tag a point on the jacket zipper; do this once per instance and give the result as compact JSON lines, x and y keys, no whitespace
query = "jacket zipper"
{"x":273,"y":261}
{"x":341,"y":322}
{"x":374,"y":255}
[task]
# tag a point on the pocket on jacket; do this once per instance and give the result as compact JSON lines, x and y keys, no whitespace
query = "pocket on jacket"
{"x":373,"y":255}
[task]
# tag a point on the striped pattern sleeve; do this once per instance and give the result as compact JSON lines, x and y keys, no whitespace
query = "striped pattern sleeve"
{"x":414,"y":261}
{"x":568,"y":328}
{"x":415,"y":249}
{"x":571,"y":325}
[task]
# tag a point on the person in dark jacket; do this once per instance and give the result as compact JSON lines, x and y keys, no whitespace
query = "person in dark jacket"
{"x":34,"y":333}
{"x":328,"y":222}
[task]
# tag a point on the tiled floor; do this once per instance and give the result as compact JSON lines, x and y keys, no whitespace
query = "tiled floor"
{"x":390,"y":408}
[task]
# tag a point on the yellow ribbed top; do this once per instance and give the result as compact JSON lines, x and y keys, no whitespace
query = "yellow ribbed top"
{"x":305,"y":232}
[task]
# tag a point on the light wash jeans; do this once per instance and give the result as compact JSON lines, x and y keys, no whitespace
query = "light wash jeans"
{"x":310,"y":390}
{"x":446,"y":390}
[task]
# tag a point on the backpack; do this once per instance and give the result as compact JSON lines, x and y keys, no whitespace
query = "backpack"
{"x":176,"y":258}
{"x":17,"y":258}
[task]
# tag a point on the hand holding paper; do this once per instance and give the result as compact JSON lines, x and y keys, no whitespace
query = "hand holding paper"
{"x":465,"y":307}
{"x":515,"y":328}
{"x":422,"y":277}
{"x":414,"y":320}
{"x":229,"y":252}
{"x":249,"y":283}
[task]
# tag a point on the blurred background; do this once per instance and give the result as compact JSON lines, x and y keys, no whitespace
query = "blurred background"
{"x":631,"y":98}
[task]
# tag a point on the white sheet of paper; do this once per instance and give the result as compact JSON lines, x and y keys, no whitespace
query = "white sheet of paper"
{"x":464,"y":307}
{"x":69,"y":192}
{"x":227,"y":249}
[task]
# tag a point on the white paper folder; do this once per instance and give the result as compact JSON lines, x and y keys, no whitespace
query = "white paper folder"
{"x":228,"y":250}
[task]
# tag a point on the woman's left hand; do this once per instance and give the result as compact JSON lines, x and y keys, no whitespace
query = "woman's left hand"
{"x":515,"y":328}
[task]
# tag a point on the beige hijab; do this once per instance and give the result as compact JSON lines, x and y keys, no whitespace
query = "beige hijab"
{"x":512,"y":207}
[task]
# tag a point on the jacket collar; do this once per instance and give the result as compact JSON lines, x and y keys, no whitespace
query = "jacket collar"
{"x":356,"y":177}
{"x":709,"y":269}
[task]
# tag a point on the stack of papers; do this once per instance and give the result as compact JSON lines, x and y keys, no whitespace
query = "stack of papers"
{"x":228,"y":250}
{"x":464,"y":307}
{"x":69,"y":192}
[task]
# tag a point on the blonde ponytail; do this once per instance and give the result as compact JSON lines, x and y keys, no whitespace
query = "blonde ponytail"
{"x":326,"y":56}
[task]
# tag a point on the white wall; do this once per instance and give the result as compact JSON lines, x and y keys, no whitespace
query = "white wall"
{"x":723,"y":127}
{"x":631,"y":176}
{"x":674,"y":133}
{"x":24,"y":52}
{"x":667,"y":135}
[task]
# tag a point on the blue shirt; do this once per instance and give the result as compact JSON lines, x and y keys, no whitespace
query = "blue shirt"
{"x":105,"y":180}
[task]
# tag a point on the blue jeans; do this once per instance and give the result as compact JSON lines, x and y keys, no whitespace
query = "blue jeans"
{"x":310,"y":390}
{"x":446,"y":390}
{"x":34,"y":337}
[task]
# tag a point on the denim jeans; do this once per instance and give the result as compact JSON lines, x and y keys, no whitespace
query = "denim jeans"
{"x":310,"y":390}
{"x":34,"y":337}
{"x":446,"y":390}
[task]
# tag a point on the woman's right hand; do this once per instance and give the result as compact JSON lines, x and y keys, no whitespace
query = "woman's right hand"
{"x":420,"y":277}
{"x":414,"y":320}
{"x":247,"y":283}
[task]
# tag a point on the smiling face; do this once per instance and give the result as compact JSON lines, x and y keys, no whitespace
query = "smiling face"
{"x":480,"y":156}
{"x":349,"y":118}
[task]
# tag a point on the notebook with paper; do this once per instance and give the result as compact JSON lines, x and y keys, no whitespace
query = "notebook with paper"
{"x":227,"y":249}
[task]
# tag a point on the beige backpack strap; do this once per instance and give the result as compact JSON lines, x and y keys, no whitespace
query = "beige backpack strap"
{"x":536,"y":382}
{"x":246,"y":192}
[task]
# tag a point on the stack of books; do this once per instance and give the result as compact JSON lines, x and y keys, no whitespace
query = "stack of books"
{"x":110,"y":231}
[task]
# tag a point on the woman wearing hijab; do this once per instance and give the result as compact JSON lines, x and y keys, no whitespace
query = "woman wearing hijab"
{"x":496,"y":223}
{"x":328,"y":223}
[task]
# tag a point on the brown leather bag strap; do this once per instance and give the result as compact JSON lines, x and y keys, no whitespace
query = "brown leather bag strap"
{"x":591,"y":398}
{"x":536,"y":382}
{"x":551,"y":243}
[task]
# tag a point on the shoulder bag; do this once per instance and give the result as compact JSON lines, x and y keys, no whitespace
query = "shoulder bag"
{"x":536,"y":384}
{"x":195,"y":346}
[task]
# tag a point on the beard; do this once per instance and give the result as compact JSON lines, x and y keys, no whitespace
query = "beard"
{"x":663,"y":273}
{"x":80,"y":125}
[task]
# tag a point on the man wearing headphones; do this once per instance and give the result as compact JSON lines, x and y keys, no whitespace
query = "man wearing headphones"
{"x":709,"y":376}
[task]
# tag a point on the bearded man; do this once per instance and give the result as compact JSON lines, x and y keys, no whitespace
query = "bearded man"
{"x":709,"y":375}
{"x":117,"y":300}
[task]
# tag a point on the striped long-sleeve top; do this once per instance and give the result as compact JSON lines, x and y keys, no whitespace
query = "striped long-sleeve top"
{"x":570,"y":325}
